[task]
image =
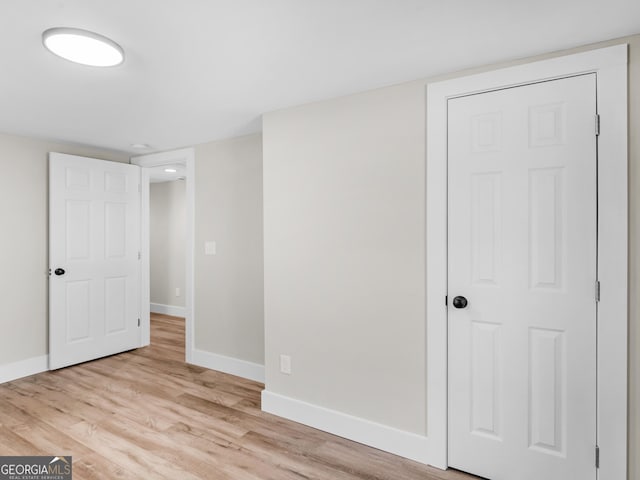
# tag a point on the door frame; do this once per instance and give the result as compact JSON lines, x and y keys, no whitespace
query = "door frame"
{"x":185,"y":156}
{"x":610,"y":66}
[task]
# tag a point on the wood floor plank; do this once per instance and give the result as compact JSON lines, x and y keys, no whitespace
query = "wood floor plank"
{"x":131,"y":456}
{"x":234,"y":456}
{"x":97,"y":467}
{"x":50,"y":439}
{"x":15,"y":445}
{"x":147,"y":414}
{"x":45,"y":410}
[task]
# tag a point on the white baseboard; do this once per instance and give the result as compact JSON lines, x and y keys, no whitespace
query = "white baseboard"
{"x":405,"y":444}
{"x":167,"y":309}
{"x":23,"y":368}
{"x":233,"y":366}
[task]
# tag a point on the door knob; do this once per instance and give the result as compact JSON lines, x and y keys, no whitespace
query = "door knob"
{"x":460,"y":302}
{"x":59,"y":271}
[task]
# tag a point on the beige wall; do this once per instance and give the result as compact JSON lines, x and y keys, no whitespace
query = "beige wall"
{"x":229,"y":313}
{"x":344,"y":184}
{"x":344,"y":194}
{"x":24,"y":242}
{"x":167,"y":238}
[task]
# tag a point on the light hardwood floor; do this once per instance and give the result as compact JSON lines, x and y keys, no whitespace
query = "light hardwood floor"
{"x":146,"y":414}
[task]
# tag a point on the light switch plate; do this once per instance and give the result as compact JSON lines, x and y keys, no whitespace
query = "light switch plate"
{"x":285,"y":364}
{"x":209,"y":247}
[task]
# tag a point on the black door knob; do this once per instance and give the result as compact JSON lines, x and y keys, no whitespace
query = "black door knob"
{"x":59,"y":271}
{"x":460,"y":302}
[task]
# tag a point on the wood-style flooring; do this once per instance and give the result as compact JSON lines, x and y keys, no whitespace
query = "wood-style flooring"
{"x":145,"y":414}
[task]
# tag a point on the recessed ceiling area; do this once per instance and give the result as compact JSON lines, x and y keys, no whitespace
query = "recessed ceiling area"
{"x":205,"y":70}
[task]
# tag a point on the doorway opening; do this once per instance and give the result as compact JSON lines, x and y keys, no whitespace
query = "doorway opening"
{"x":167,"y":244}
{"x":167,"y":232}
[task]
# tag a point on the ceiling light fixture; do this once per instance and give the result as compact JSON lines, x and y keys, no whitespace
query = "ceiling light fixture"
{"x":82,"y":46}
{"x":140,"y":145}
{"x":170,"y":170}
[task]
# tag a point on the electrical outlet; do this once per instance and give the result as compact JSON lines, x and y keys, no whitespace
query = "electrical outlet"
{"x":177,"y":291}
{"x":285,"y":364}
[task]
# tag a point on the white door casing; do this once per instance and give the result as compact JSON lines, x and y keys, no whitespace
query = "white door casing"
{"x":94,"y":236}
{"x":522,"y":250}
{"x":610,"y":66}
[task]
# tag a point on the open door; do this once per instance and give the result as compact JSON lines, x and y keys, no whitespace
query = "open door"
{"x":94,"y":250}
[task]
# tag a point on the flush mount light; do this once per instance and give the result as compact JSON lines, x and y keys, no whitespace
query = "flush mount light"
{"x":170,"y":170}
{"x":140,"y":145}
{"x":82,"y":46}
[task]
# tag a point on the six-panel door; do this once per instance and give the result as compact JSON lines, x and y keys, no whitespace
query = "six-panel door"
{"x":522,"y":250}
{"x":94,"y":229}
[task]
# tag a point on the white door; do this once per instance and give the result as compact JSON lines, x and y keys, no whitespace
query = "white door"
{"x":94,"y":240}
{"x":522,"y":252}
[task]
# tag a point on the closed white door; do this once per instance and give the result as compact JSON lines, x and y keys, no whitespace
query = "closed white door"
{"x":522,"y":255}
{"x":94,"y":240}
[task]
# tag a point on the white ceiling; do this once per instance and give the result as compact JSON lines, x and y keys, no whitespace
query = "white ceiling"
{"x":202,"y":70}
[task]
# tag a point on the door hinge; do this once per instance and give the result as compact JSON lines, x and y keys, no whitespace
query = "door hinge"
{"x":446,"y":300}
{"x":597,"y":290}
{"x":138,"y":322}
{"x":597,"y":124}
{"x":139,"y":255}
{"x":597,"y":456}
